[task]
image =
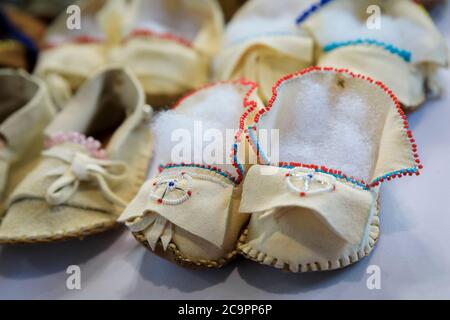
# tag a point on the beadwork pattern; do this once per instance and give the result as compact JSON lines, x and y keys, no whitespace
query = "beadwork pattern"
{"x":142,"y":32}
{"x":404,"y":54}
{"x":249,"y":106}
{"x":308,"y":178}
{"x":337,"y":173}
{"x":255,"y":145}
{"x":213,"y":169}
{"x":311,"y":10}
{"x":172,"y":183}
{"x":91,"y":145}
{"x":82,"y":39}
{"x":136,"y":33}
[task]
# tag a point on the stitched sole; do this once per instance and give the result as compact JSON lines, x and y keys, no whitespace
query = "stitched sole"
{"x":173,"y":254}
{"x":79,"y":234}
{"x":316,"y":266}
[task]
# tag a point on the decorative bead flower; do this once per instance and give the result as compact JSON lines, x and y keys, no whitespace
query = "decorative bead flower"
{"x":172,"y":184}
{"x":92,"y":146}
{"x":311,"y":182}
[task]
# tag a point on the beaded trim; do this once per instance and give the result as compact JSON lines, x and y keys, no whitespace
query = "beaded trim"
{"x":249,"y":106}
{"x":83,"y":39}
{"x":213,"y":169}
{"x":172,"y":183}
{"x":86,"y":39}
{"x":142,"y":32}
{"x":93,"y":146}
{"x":308,"y":177}
{"x":255,"y":145}
{"x":337,"y":173}
{"x":311,"y":10}
{"x":404,"y":54}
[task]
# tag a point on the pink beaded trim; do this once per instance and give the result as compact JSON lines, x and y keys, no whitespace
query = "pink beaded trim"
{"x":93,"y":146}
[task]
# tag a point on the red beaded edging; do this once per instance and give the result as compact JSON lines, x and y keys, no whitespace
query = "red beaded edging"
{"x":86,"y":39}
{"x":249,"y":106}
{"x":142,"y":32}
{"x":83,"y":39}
{"x":381,"y":85}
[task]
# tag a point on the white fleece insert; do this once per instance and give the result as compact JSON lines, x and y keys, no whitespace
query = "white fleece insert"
{"x":265,"y":17}
{"x":323,"y":123}
{"x":216,"y":111}
{"x":400,"y":31}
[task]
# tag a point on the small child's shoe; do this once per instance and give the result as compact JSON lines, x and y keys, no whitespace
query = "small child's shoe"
{"x":72,"y":53}
{"x":169,"y":45}
{"x":79,"y":188}
{"x":316,"y":206}
{"x":25,"y":111}
{"x":262,"y":44}
{"x":395,"y":42}
{"x":188,"y":213}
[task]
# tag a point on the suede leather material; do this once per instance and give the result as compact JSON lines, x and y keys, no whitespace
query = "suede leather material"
{"x":344,"y":211}
{"x":286,"y":229}
{"x":400,"y":16}
{"x":206,"y":226}
{"x":329,"y":229}
{"x":387,"y":146}
{"x":264,"y":60}
{"x":210,"y":203}
{"x":261,"y":43}
{"x":131,"y":143}
{"x":165,"y":67}
{"x":34,"y":108}
{"x":196,"y":248}
{"x":404,"y":24}
{"x":37,"y":182}
{"x":73,"y":62}
{"x":213,"y":202}
{"x":30,"y":111}
{"x":66,"y":64}
{"x":405,"y":79}
{"x":178,"y":70}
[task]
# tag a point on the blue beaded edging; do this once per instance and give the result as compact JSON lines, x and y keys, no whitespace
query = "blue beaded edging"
{"x":251,"y":134}
{"x":255,"y":143}
{"x":308,"y":12}
{"x":404,"y":54}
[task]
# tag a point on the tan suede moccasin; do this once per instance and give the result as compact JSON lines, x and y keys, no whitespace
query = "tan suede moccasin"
{"x":395,"y":42}
{"x":25,"y":111}
{"x":188,"y":213}
{"x":314,"y":205}
{"x":79,"y":187}
{"x":262,"y":43}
